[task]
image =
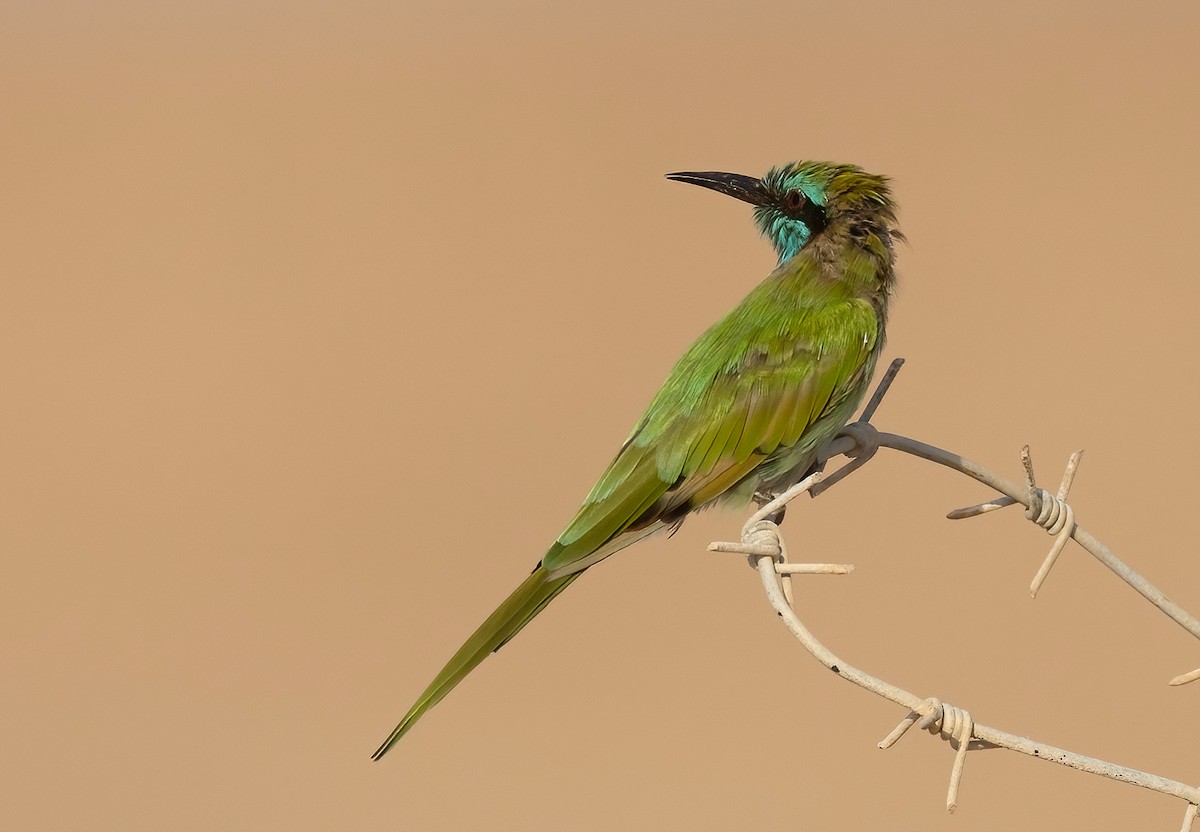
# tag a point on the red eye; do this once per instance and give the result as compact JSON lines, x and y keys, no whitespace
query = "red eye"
{"x":793,"y":200}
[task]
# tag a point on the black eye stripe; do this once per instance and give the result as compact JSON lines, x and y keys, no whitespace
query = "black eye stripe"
{"x":799,"y":207}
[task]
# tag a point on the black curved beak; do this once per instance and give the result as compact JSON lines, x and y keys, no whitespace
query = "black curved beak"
{"x":736,"y":185}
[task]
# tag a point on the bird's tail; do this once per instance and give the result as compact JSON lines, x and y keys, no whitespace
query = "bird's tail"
{"x":517,"y":610}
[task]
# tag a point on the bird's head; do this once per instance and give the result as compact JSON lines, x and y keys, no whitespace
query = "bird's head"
{"x":795,"y":202}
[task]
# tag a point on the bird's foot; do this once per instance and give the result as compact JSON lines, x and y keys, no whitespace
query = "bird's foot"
{"x":761,"y":498}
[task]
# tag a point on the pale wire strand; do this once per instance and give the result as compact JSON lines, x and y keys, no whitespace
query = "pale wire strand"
{"x":765,"y":549}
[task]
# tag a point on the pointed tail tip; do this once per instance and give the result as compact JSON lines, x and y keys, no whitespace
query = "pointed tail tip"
{"x":388,"y":743}
{"x":523,"y":604}
{"x":380,"y":751}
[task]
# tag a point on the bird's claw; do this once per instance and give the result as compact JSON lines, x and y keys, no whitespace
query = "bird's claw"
{"x":762,"y":498}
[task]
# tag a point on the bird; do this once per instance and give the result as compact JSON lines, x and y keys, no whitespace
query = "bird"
{"x":744,"y":410}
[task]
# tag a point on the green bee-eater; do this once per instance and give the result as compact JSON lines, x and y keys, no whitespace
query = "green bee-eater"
{"x":750,"y":402}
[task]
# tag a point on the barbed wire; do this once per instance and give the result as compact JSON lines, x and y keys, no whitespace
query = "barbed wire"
{"x":763,"y":545}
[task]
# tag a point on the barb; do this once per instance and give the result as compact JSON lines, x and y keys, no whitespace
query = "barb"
{"x":1052,"y":513}
{"x":980,"y":508}
{"x":954,"y":725}
{"x":881,"y":390}
{"x":1184,"y":678}
{"x":765,"y":549}
{"x":761,"y":539}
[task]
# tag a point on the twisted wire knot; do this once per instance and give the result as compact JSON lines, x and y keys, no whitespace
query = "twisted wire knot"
{"x":953,"y":724}
{"x":864,"y":442}
{"x":1054,"y":514}
{"x":865,"y":438}
{"x":1049,"y":511}
{"x":762,"y":538}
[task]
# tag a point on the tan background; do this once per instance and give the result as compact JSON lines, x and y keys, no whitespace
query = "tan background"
{"x":318,"y":320}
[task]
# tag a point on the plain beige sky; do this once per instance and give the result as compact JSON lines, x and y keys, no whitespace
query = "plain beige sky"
{"x":318,"y":320}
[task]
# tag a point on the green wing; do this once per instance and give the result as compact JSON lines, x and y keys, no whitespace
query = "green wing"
{"x":765,"y":386}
